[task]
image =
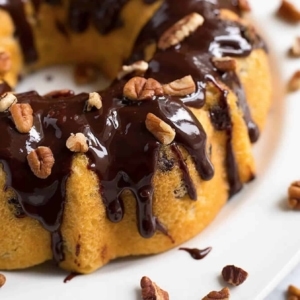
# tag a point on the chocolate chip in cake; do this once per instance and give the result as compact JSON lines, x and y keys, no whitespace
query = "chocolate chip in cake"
{"x":165,"y":163}
{"x":17,"y":208}
{"x":181,"y":190}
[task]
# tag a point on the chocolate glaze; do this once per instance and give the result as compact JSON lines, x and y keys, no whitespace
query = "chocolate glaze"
{"x":197,"y":253}
{"x":221,"y":119}
{"x":108,"y":130}
{"x":70,"y":277}
{"x":120,"y":124}
{"x":4,"y":87}
{"x":232,"y":80}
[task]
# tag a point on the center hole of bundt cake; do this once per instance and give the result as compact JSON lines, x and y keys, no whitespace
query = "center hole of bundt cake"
{"x":62,"y":77}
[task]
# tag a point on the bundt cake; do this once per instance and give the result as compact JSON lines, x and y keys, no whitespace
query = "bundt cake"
{"x":143,"y":165}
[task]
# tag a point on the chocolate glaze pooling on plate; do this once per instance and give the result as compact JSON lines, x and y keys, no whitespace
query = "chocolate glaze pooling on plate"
{"x":113,"y":126}
{"x":197,"y":253}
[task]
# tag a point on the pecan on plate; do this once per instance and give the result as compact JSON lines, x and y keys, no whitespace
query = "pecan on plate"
{"x":151,"y":291}
{"x":234,"y":275}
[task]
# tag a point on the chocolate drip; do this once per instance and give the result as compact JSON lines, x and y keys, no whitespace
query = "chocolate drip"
{"x":232,"y":80}
{"x":185,"y":172}
{"x":221,"y":119}
{"x":70,"y":277}
{"x":23,"y":30}
{"x":126,"y":173}
{"x":4,"y":87}
{"x":197,"y":253}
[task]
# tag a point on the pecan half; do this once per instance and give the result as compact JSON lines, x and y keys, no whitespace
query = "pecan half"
{"x":234,"y":275}
{"x":77,"y":143}
{"x":224,"y":64}
{"x":160,"y":129}
{"x":224,"y":294}
{"x":293,"y":293}
{"x":180,"y":87}
{"x":22,"y":115}
{"x":94,"y":100}
{"x":5,"y":62}
{"x":294,"y":195}
{"x":2,"y":280}
{"x":288,"y":12}
{"x":294,"y":82}
{"x":139,"y":88}
{"x":180,"y":30}
{"x":244,"y":5}
{"x":6,"y":101}
{"x":151,"y":291}
{"x":294,"y":51}
{"x":138,"y":68}
{"x":41,"y":161}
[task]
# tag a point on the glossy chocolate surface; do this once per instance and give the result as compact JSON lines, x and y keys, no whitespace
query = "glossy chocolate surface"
{"x":120,"y":123}
{"x":197,"y":253}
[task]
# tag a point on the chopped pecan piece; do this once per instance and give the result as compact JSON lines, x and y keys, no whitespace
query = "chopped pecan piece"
{"x":160,"y":129}
{"x":5,"y":62}
{"x":41,"y":161}
{"x":139,"y":88}
{"x":6,"y":101}
{"x":2,"y":280}
{"x":138,"y":68}
{"x":293,"y":293}
{"x":151,"y":291}
{"x":224,"y":64}
{"x":288,"y":12}
{"x":294,"y":195}
{"x":295,"y":49}
{"x":234,"y":275}
{"x":22,"y":115}
{"x":77,"y":143}
{"x":180,"y":30}
{"x":244,"y":5}
{"x":94,"y":100}
{"x":85,"y":73}
{"x":224,"y":294}
{"x":181,"y":87}
{"x":294,"y":82}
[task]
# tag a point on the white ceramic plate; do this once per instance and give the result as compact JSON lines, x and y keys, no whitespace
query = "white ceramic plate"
{"x":255,"y":230}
